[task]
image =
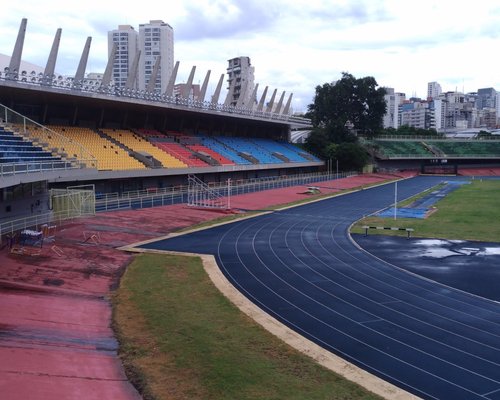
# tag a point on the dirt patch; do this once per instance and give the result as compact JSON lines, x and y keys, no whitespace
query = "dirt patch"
{"x":53,"y":282}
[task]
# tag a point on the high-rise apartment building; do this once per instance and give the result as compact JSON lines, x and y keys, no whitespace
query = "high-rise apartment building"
{"x":392,"y":100}
{"x":417,"y":115}
{"x":125,"y":38}
{"x":486,"y":98}
{"x":433,"y":90}
{"x":156,"y":40}
{"x":240,"y":82}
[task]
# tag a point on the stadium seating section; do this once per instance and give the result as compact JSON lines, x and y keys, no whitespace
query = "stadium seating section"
{"x":441,"y":148}
{"x":122,"y":149}
{"x":136,"y":142}
{"x":16,"y":149}
{"x":470,"y":148}
{"x":109,"y":155}
{"x":403,"y":148}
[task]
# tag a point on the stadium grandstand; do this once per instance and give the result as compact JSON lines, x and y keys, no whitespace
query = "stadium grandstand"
{"x":58,"y":132}
{"x":451,"y":155}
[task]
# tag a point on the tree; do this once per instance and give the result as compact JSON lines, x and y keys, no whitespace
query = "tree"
{"x":317,"y":142}
{"x":350,"y":156}
{"x":340,"y":110}
{"x":347,"y":106}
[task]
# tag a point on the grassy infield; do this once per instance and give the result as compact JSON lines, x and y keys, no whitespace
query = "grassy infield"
{"x":181,"y":339}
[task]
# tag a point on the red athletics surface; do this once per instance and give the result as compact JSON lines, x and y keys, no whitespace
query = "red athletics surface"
{"x":56,"y":340}
{"x":479,"y":171}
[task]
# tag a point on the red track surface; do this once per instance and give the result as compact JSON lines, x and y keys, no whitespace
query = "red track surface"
{"x":56,"y":340}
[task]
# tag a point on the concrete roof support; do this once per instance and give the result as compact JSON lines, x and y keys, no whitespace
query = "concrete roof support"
{"x":271,"y":102}
{"x":106,"y":78}
{"x":48,"y":74}
{"x":171,"y":82}
{"x":280,"y":103}
{"x":216,"y":95}
{"x":154,"y":74}
{"x":260,"y":106}
{"x":132,"y":74}
{"x":251,"y":104}
{"x":80,"y":72}
{"x":230,"y":92}
{"x":286,"y":111}
{"x":15,"y":60}
{"x":189,"y":84}
{"x":204,"y":86}
{"x":241,"y":98}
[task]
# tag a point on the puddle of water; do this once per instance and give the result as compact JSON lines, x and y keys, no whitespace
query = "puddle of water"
{"x":431,"y":242}
{"x":439,"y":253}
{"x":489,"y":251}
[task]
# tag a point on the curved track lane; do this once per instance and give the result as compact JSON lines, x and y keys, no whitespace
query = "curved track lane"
{"x":300,"y":266}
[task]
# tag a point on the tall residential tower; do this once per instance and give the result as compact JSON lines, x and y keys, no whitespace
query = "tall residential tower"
{"x":240,"y":82}
{"x":125,"y":38}
{"x":156,"y":40}
{"x":139,"y":55}
{"x":433,"y":90}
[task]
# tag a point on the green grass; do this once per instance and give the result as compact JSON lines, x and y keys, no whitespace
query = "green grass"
{"x":180,"y":338}
{"x":469,"y":213}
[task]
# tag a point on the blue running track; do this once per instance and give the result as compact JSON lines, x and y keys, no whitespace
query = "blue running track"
{"x":300,"y":266}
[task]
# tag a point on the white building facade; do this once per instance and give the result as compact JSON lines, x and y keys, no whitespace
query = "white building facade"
{"x":156,"y":39}
{"x":393,"y":100}
{"x":125,"y":38}
{"x":433,"y":90}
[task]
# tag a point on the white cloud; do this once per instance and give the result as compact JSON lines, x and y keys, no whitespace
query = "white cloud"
{"x":294,"y":46}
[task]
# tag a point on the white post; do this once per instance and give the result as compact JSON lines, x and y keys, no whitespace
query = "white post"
{"x":229,"y":193}
{"x":337,"y":169}
{"x":395,"y":199}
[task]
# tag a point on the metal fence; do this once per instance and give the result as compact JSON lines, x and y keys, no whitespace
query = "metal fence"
{"x":78,"y":201}
{"x":66,"y":204}
{"x":37,"y":221}
{"x":179,"y":194}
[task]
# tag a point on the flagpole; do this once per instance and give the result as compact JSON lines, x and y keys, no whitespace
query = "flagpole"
{"x":395,"y":199}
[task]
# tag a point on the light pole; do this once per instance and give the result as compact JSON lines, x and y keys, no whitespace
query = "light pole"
{"x":395,"y":199}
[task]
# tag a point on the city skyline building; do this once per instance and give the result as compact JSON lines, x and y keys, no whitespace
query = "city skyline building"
{"x":450,"y":111}
{"x":393,"y":101}
{"x":486,"y":98}
{"x":433,"y":90}
{"x":125,"y":38}
{"x":143,"y":55}
{"x":156,"y":44}
{"x":240,"y":82}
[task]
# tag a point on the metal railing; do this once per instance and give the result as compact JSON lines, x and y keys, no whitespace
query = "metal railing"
{"x":37,"y":221}
{"x":162,"y":197}
{"x":179,"y":194}
{"x":34,"y":166}
{"x":433,"y":156}
{"x":95,"y":86}
{"x":439,"y":137}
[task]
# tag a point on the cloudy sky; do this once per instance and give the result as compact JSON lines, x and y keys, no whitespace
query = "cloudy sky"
{"x":294,"y":45}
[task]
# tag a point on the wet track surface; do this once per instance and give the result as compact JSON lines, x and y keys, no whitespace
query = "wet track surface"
{"x":473,"y":267}
{"x":300,"y":266}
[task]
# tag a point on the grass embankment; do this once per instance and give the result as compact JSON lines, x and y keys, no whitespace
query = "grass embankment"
{"x":469,"y":213}
{"x":181,"y":339}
